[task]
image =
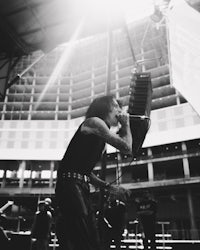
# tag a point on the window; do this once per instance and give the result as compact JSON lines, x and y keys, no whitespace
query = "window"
{"x":140,"y":173}
{"x":194,"y":163}
{"x":168,"y":169}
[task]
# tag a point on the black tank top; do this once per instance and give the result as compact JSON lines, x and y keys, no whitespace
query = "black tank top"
{"x":82,"y":154}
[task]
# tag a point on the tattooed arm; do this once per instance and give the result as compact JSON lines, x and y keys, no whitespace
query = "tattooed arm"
{"x":121,"y":141}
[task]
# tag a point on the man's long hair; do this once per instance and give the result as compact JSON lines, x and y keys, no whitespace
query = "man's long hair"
{"x":100,"y":107}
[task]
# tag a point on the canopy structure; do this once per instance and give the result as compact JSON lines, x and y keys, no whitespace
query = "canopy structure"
{"x":30,"y":25}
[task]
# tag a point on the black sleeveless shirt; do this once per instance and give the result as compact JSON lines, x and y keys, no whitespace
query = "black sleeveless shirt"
{"x":82,"y":154}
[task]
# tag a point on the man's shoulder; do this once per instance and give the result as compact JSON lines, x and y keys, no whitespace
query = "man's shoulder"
{"x":94,"y":125}
{"x":93,"y":121}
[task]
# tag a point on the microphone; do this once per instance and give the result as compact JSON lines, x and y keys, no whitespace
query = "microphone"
{"x":139,"y":117}
{"x":14,"y":80}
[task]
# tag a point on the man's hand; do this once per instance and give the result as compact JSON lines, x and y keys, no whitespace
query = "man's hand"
{"x":123,"y":118}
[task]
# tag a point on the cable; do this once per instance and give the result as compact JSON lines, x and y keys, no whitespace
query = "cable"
{"x":121,"y":173}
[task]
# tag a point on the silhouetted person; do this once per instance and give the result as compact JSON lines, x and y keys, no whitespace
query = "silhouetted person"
{"x":146,"y":209}
{"x":112,"y":220}
{"x":114,"y":215}
{"x":49,"y":207}
{"x":41,"y":227}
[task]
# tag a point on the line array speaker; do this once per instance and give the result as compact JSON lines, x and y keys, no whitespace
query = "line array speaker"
{"x":139,"y":108}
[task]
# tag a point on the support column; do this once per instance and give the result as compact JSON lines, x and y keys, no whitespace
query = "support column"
{"x":109,"y":62}
{"x":22,"y":168}
{"x":57,"y":98}
{"x":186,"y":168}
{"x":30,"y":179}
{"x":31,"y":106}
{"x":150,"y":167}
{"x":193,"y":227}
{"x":70,"y":98}
{"x":3,"y":184}
{"x":117,"y":77}
{"x":52,"y":164}
{"x":4,"y":106}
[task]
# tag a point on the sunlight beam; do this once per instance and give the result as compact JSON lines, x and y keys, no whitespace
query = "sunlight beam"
{"x":64,"y":59}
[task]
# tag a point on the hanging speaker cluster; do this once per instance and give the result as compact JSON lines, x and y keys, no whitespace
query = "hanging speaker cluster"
{"x":139,"y":108}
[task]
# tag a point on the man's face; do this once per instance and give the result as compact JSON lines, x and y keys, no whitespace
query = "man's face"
{"x":112,"y":118}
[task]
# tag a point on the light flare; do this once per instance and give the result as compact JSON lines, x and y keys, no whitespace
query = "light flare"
{"x":64,"y":59}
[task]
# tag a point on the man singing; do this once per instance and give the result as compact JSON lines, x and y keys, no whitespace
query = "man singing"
{"x":76,"y":227}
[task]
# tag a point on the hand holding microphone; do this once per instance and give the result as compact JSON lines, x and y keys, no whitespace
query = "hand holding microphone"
{"x":123,"y":118}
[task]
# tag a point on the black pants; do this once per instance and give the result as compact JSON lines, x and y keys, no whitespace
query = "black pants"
{"x":76,"y":225}
{"x":149,"y":227}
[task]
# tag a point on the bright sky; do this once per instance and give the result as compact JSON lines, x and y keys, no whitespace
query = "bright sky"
{"x":133,"y":9}
{"x":138,"y":9}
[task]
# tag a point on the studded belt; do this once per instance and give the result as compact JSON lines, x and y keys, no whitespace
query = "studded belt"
{"x":74,"y":175}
